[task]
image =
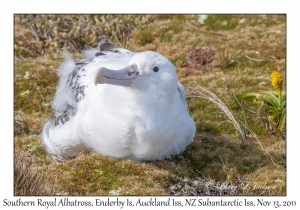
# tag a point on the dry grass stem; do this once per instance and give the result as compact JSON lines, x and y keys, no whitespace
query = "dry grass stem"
{"x":196,"y":91}
{"x":257,"y":60}
{"x":28,"y":180}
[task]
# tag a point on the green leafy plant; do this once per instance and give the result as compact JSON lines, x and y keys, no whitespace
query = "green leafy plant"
{"x":271,"y":104}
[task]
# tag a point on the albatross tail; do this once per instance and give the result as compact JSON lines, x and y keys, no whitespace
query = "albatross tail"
{"x":62,"y":141}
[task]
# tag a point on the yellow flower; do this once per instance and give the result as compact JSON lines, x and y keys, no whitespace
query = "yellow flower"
{"x":276,"y":80}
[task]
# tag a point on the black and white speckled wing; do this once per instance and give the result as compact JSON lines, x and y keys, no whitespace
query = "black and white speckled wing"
{"x":74,"y":92}
{"x":74,"y":80}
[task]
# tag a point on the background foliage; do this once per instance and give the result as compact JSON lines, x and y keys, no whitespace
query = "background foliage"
{"x":53,"y":33}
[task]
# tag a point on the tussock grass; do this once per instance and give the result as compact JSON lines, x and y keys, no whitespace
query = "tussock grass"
{"x":196,"y":91}
{"x":216,"y":155}
{"x":29,"y":180}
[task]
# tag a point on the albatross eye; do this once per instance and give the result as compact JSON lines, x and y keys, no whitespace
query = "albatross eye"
{"x":155,"y":69}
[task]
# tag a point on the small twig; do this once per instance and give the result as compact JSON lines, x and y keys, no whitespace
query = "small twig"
{"x":32,"y":31}
{"x":253,"y":59}
{"x":238,"y":103}
{"x":73,"y":45}
{"x":27,"y":50}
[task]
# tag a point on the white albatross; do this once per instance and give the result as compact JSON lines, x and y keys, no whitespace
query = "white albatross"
{"x":119,"y":103}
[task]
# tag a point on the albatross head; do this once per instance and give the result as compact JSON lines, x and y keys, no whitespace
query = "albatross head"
{"x":146,"y":71}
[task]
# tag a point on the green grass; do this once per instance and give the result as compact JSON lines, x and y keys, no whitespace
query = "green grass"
{"x":33,"y":93}
{"x":216,"y":152}
{"x":143,"y":36}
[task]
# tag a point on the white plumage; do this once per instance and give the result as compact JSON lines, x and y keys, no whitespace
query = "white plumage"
{"x":138,"y":112}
